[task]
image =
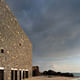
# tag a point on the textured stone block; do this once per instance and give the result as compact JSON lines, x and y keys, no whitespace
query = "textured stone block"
{"x":15,"y":46}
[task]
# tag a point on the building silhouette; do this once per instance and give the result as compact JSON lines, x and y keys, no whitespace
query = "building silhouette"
{"x":35,"y":71}
{"x":15,"y":47}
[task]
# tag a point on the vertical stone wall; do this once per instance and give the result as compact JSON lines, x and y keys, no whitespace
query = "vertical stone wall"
{"x":15,"y":46}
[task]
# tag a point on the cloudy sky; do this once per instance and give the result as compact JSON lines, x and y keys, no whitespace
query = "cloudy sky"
{"x":53,"y":27}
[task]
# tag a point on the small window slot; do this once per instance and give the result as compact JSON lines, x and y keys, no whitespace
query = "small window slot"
{"x":19,"y":44}
{"x":2,"y":50}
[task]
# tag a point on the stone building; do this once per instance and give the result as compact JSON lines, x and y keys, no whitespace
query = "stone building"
{"x":35,"y":71}
{"x":15,"y":48}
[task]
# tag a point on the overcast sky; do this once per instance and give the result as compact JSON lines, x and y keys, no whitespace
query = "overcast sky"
{"x":53,"y":27}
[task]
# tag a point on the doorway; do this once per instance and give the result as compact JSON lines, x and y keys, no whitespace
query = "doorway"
{"x":1,"y":74}
{"x":19,"y":75}
{"x":25,"y":74}
{"x":16,"y":75}
{"x":13,"y":74}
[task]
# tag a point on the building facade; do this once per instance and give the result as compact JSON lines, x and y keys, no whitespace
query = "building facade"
{"x":15,"y":48}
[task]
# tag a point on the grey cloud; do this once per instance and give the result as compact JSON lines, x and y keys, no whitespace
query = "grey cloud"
{"x":19,"y":5}
{"x":52,"y":25}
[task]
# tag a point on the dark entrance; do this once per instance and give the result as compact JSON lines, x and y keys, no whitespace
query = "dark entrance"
{"x":1,"y":74}
{"x":12,"y":73}
{"x":19,"y":75}
{"x":15,"y":75}
{"x":25,"y":74}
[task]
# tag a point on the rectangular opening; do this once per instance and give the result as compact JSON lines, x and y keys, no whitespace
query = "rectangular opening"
{"x":12,"y":74}
{"x":26,"y":74}
{"x":19,"y":75}
{"x":23,"y":74}
{"x":15,"y":75}
{"x":1,"y":74}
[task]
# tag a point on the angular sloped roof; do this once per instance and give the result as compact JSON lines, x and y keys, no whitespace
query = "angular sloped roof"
{"x":9,"y":26}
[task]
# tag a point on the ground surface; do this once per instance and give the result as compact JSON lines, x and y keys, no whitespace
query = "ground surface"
{"x":52,"y":78}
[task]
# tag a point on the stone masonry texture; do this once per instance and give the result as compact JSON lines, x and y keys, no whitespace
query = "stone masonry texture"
{"x":15,"y":46}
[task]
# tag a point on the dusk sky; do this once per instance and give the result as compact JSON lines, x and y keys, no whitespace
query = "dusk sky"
{"x":53,"y":27}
